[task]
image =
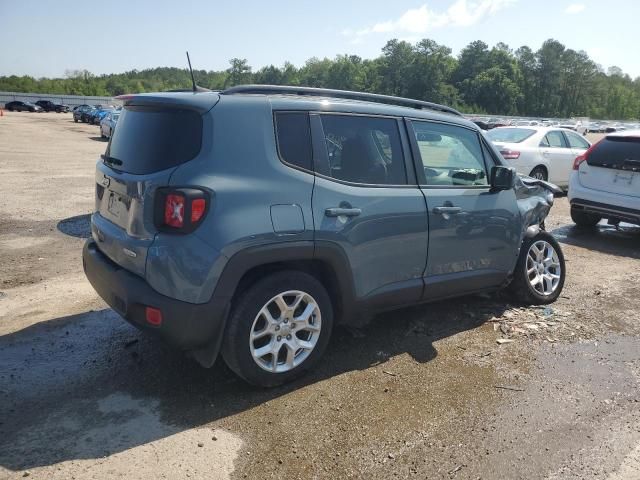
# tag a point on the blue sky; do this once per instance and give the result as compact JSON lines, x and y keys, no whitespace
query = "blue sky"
{"x":45,"y":38}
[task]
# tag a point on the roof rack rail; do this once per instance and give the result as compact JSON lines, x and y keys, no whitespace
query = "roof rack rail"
{"x":328,"y":92}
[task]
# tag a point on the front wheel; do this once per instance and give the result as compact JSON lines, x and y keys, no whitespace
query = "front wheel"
{"x":278,"y":328}
{"x":540,"y":272}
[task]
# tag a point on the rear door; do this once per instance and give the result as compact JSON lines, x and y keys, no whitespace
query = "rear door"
{"x":614,"y":166}
{"x":474,"y":232}
{"x":556,"y":149}
{"x":143,"y":152}
{"x":366,"y":201}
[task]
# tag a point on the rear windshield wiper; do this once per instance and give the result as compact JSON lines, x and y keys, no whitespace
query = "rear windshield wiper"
{"x":111,"y":160}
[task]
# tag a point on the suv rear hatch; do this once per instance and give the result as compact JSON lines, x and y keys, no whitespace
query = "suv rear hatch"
{"x":155,"y":134}
{"x":614,"y":165}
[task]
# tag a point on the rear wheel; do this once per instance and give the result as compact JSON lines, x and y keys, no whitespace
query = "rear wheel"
{"x":278,"y":328}
{"x":584,"y":219}
{"x":540,"y":272}
{"x":539,"y":173}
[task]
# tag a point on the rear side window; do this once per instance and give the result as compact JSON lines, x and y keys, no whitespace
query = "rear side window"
{"x":364,"y":149}
{"x":576,"y":141}
{"x":294,"y":138}
{"x":554,"y":139}
{"x":150,"y":139}
{"x":616,"y":152}
{"x":509,"y":135}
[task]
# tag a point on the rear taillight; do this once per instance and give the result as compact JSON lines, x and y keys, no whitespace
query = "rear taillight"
{"x":510,"y":154}
{"x":180,"y":210}
{"x":581,"y":158}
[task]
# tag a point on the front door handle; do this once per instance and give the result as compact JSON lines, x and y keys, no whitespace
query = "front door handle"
{"x":447,"y":210}
{"x":340,"y":212}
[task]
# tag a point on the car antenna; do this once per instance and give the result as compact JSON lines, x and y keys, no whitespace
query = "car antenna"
{"x":193,"y":80}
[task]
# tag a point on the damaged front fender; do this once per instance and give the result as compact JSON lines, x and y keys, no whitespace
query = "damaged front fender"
{"x":535,"y":199}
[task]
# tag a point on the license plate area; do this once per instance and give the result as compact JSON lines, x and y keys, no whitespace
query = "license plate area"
{"x":116,"y":206}
{"x":624,"y":178}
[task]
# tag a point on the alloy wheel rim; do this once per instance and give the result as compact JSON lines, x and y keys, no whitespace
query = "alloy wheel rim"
{"x":285,"y":331}
{"x":543,"y":268}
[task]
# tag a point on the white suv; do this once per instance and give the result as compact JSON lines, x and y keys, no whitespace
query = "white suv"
{"x":605,"y":182}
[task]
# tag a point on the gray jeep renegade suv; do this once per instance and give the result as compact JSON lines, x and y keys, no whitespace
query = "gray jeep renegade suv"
{"x":249,"y":221}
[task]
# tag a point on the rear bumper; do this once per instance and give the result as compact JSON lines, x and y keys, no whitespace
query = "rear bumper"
{"x":186,"y":326}
{"x":607,"y":211}
{"x":606,"y":204}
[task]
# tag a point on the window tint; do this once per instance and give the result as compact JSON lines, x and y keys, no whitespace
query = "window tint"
{"x":576,"y":141}
{"x":616,"y":152}
{"x":294,"y":138}
{"x":509,"y":135}
{"x":451,"y":155}
{"x":151,"y":139}
{"x":555,"y":139}
{"x":364,"y":149}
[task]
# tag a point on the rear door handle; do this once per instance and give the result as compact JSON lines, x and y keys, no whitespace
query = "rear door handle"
{"x":546,"y":154}
{"x":340,"y":212}
{"x":447,"y":210}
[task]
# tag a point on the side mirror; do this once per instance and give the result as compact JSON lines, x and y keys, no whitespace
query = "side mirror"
{"x":502,"y":178}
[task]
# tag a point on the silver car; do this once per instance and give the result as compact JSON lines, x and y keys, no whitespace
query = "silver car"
{"x":108,"y":123}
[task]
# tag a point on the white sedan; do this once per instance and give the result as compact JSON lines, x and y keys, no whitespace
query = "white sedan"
{"x":546,"y":153}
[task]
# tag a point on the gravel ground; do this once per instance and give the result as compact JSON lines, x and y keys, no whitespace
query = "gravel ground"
{"x":426,"y":392}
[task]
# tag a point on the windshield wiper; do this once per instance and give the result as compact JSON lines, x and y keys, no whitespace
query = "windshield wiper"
{"x":111,"y":160}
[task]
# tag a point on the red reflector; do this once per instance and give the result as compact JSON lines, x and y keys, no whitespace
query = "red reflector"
{"x":174,"y":211}
{"x":197,"y":209}
{"x":154,"y":316}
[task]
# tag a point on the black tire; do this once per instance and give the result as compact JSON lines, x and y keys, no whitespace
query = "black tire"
{"x":521,"y":287}
{"x":75,"y":120}
{"x":584,"y":219}
{"x":539,"y":173}
{"x":236,"y":349}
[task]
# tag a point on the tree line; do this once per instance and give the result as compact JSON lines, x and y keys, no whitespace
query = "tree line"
{"x":554,"y":81}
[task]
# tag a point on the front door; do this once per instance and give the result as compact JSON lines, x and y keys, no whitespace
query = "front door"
{"x":474,"y":232}
{"x":366,"y":202}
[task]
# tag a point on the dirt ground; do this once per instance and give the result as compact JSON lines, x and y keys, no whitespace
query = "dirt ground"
{"x":425,"y":392}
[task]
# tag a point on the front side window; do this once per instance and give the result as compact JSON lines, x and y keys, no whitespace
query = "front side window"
{"x":364,"y":149}
{"x":451,"y":155}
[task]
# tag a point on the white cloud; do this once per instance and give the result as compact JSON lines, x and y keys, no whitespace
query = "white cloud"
{"x":574,"y":8}
{"x":462,"y":13}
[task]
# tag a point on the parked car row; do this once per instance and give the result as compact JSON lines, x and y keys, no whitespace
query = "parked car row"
{"x":603,"y":179}
{"x":39,"y":106}
{"x":106,"y":116}
{"x":581,"y":126}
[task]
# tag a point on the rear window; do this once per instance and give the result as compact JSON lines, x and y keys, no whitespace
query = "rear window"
{"x":616,"y":152}
{"x":509,"y":135}
{"x":150,"y":139}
